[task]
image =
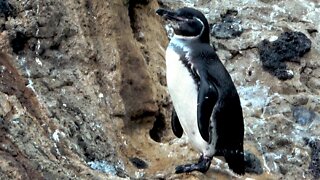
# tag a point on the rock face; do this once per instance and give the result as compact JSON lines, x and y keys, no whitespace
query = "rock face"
{"x":83,"y":90}
{"x":77,"y":79}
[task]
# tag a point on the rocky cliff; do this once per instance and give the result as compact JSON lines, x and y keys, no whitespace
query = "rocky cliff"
{"x":83,"y":89}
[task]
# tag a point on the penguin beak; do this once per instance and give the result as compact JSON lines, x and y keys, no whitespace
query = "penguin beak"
{"x":169,"y":15}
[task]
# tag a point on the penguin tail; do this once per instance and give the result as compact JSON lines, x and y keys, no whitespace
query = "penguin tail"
{"x":236,"y":162}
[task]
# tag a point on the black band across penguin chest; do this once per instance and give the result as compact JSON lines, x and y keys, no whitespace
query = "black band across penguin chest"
{"x":185,"y":58}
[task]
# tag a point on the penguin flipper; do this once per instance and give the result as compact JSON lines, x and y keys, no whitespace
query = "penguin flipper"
{"x":207,"y":98}
{"x":175,"y":123}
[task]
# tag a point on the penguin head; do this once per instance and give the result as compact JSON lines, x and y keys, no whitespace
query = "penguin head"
{"x":187,"y":23}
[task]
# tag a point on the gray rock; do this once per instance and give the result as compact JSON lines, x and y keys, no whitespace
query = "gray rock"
{"x":252,"y":163}
{"x":302,"y":115}
{"x":229,"y":27}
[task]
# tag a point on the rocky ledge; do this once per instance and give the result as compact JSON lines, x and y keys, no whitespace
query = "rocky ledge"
{"x":83,"y":89}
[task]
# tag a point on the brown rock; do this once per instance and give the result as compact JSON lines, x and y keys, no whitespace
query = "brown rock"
{"x":84,"y":82}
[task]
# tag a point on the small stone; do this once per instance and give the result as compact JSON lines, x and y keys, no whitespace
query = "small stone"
{"x":252,"y":163}
{"x":229,"y":27}
{"x":283,"y":170}
{"x":302,"y":115}
{"x":300,"y":100}
{"x":316,"y":73}
{"x":314,"y":83}
{"x":138,"y":163}
{"x":2,"y":69}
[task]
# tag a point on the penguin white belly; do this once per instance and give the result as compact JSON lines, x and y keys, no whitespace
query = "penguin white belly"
{"x":184,"y":94}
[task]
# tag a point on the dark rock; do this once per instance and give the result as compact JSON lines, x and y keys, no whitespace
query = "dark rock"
{"x":315,"y":157}
{"x":138,"y":163}
{"x":283,"y":170}
{"x":302,"y":115}
{"x":18,"y":42}
{"x":282,"y":142}
{"x":288,"y":47}
{"x":252,"y":163}
{"x":229,"y":27}
{"x":312,"y":31}
{"x":6,"y":9}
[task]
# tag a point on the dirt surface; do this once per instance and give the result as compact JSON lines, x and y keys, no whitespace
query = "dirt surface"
{"x":83,"y":90}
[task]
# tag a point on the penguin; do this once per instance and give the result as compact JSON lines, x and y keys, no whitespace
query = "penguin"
{"x":206,"y":104}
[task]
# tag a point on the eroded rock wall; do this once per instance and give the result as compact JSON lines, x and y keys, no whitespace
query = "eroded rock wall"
{"x":83,"y":90}
{"x":73,"y":76}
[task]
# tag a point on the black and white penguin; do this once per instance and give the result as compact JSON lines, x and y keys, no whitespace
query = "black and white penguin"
{"x":206,"y":105}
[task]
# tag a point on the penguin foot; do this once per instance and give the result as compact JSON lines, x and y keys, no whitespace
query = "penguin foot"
{"x":202,"y":166}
